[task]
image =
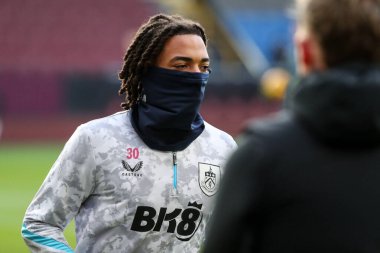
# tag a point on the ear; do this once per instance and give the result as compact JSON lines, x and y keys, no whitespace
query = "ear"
{"x":304,"y":52}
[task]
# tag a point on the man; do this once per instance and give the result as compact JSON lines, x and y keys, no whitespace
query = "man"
{"x":142,"y":180}
{"x":307,"y":180}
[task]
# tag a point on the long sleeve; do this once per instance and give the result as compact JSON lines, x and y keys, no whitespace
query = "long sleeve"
{"x":69,"y":182}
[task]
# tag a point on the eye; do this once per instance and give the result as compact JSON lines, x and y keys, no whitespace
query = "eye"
{"x":206,"y":68}
{"x":180,"y":66}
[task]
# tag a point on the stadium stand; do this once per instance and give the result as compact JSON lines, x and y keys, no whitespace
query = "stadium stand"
{"x":260,"y":31}
{"x":66,"y":35}
{"x":59,"y":61}
{"x":43,"y":44}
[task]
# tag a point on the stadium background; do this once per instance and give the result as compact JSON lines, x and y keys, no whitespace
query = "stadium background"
{"x":58,"y":68}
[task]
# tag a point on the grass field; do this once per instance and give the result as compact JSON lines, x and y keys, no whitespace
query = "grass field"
{"x":23,"y":167}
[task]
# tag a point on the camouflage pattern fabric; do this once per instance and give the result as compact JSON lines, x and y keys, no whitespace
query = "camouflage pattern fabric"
{"x":124,"y":196}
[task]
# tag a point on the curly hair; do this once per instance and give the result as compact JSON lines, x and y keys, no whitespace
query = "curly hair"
{"x":146,"y":46}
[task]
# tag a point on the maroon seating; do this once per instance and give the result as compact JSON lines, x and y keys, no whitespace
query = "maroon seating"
{"x":66,"y":35}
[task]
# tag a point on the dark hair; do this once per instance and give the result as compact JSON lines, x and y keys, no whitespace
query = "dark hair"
{"x":146,"y":46}
{"x":347,"y":30}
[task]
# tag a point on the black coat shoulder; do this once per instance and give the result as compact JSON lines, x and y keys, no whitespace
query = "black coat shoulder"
{"x":277,"y":132}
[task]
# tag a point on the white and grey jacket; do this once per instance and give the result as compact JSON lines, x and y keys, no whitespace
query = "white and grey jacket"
{"x":124,"y":196}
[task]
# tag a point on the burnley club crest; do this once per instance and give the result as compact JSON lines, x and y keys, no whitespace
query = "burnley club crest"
{"x":209,"y":178}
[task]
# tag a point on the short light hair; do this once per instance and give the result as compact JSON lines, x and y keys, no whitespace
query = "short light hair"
{"x":346,"y":30}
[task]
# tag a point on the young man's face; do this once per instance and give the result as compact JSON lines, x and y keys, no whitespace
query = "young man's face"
{"x":184,"y":53}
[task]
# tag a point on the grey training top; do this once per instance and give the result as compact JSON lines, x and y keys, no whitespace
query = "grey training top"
{"x":124,"y":196}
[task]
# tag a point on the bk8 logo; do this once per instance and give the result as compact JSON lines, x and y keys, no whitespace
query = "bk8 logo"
{"x":191,"y":218}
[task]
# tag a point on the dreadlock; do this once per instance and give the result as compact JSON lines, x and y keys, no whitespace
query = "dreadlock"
{"x":146,"y":46}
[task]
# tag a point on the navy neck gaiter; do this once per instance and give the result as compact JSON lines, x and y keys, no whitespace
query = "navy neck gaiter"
{"x":167,"y":116}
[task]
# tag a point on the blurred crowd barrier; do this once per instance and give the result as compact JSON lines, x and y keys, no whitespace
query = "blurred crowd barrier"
{"x":49,"y":106}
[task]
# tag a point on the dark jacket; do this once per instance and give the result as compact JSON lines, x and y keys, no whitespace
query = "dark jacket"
{"x":307,"y":180}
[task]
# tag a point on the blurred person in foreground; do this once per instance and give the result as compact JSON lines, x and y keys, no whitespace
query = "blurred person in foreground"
{"x":307,"y":179}
{"x":144,"y":179}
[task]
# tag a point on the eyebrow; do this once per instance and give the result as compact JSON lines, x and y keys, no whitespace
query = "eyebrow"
{"x":187,"y":59}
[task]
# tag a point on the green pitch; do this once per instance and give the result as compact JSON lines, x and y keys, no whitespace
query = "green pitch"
{"x":23,"y":168}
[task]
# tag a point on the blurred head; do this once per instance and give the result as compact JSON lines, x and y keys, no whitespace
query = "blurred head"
{"x":167,"y":41}
{"x":333,"y":32}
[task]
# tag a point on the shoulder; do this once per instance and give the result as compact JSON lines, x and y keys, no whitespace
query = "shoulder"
{"x":214,"y":134}
{"x":269,"y":134}
{"x":119,"y":118}
{"x":117,"y":124}
{"x":279,"y":134}
{"x":264,"y":142}
{"x":279,"y":125}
